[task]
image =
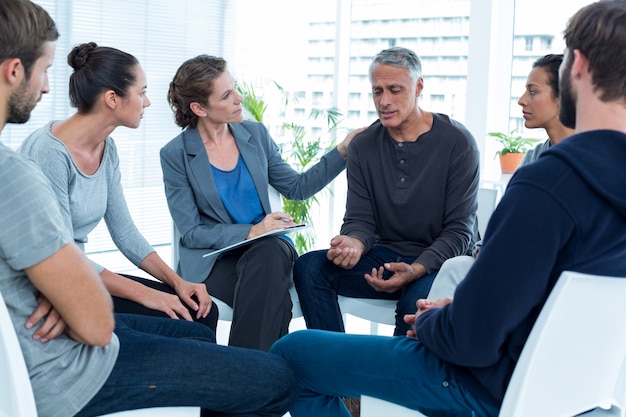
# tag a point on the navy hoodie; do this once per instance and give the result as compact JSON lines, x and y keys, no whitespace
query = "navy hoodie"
{"x":566,"y":211}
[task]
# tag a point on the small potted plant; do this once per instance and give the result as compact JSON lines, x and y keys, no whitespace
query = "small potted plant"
{"x":514,"y":147}
{"x":302,"y":152}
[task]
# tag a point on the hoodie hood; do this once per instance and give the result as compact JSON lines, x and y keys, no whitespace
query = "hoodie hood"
{"x":599,"y":157}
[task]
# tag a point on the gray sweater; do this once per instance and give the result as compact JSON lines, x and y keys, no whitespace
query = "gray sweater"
{"x":86,"y":199}
{"x":533,"y":154}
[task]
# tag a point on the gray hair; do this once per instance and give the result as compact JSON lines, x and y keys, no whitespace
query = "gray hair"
{"x":401,"y":58}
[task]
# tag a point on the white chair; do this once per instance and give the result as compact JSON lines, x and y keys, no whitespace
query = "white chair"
{"x":159,"y":412}
{"x":374,"y":407}
{"x":383,"y":311}
{"x":16,"y":393}
{"x":574,"y":359}
{"x":487,"y":199}
{"x":376,"y":311}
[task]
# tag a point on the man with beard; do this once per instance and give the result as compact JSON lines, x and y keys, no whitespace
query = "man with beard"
{"x":459,"y":356}
{"x":34,"y":242}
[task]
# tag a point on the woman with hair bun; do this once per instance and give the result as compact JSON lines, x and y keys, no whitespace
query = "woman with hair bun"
{"x":108,"y":89}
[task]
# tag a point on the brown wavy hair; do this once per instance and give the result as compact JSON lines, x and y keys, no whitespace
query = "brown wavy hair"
{"x":193,"y":82}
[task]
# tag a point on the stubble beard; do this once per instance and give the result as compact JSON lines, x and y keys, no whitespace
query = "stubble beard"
{"x":567,"y":109}
{"x":21,"y":104}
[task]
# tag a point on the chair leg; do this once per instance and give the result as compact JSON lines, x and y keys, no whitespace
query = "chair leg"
{"x":373,"y":327}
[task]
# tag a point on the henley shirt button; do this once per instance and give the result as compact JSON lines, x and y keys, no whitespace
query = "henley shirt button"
{"x":402,"y":179}
{"x":401,"y":161}
{"x":445,"y":384}
{"x":399,"y":145}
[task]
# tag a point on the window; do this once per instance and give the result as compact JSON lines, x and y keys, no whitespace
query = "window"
{"x":303,"y":52}
{"x":353,"y":116}
{"x":437,"y":102}
{"x":354,"y":99}
{"x":161,"y":34}
{"x":529,"y":43}
{"x":318,"y":98}
{"x":541,"y":24}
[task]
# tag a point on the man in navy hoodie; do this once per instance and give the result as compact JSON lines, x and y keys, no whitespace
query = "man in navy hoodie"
{"x":566,"y":211}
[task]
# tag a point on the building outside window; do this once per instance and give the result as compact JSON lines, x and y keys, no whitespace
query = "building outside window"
{"x":320,"y":48}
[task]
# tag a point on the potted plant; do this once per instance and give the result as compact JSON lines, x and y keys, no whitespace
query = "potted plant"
{"x":514,"y":147}
{"x":301,"y":152}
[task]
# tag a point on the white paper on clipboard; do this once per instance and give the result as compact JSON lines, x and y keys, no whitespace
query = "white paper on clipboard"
{"x":282,"y":231}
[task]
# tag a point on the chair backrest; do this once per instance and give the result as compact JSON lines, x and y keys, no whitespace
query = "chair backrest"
{"x":16,"y":394}
{"x":158,"y":412}
{"x":487,"y":200}
{"x":371,"y":309}
{"x":276,"y":200}
{"x":575,"y":357}
{"x":374,"y":407}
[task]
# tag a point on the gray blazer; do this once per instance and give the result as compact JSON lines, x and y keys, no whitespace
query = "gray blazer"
{"x":195,"y":205}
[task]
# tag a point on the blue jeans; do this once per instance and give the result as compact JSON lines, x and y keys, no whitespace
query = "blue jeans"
{"x":331,"y":365}
{"x":165,"y":362}
{"x":318,"y":282}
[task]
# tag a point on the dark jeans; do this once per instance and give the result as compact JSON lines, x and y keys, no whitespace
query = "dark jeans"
{"x":318,"y":282}
{"x":123,"y":305}
{"x":164,"y":363}
{"x":331,"y":365}
{"x":255,"y":281}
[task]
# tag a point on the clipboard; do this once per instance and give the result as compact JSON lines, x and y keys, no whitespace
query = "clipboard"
{"x":281,"y":231}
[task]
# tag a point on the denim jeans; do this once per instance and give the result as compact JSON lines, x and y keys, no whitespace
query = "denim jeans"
{"x":165,"y":362}
{"x":318,"y":282}
{"x":399,"y":369}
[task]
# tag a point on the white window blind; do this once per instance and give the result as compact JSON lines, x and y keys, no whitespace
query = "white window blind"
{"x":260,"y":43}
{"x":161,"y":34}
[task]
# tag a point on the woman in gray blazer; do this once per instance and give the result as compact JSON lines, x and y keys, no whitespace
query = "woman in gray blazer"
{"x":216,"y":175}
